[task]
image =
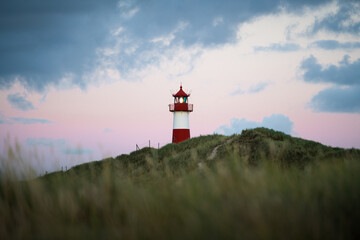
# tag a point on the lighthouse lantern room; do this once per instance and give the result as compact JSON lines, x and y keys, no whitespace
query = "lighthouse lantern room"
{"x":181,"y":109}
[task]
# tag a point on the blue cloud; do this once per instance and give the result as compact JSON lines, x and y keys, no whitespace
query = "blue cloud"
{"x":3,"y":118}
{"x":108,"y":130}
{"x":259,"y":87}
{"x":77,"y":151}
{"x":333,"y":44}
{"x":277,"y":122}
{"x":344,"y":96}
{"x":279,"y":47}
{"x":342,"y":21}
{"x":47,"y":142}
{"x":60,"y":144}
{"x":337,"y":99}
{"x":27,"y":121}
{"x":157,"y":17}
{"x":345,"y":74}
{"x":253,"y":89}
{"x":19,"y":102}
{"x":238,"y":92}
{"x":44,"y":41}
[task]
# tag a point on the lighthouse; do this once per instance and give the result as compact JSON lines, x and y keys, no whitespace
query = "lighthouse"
{"x":181,"y":109}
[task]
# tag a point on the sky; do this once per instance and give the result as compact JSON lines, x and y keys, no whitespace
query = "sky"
{"x":84,"y":80}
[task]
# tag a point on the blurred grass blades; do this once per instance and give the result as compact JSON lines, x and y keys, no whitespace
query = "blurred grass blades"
{"x":261,"y":184}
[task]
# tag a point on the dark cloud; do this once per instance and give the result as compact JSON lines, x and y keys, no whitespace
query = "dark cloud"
{"x":341,"y":21}
{"x":188,"y":22}
{"x":18,"y":101}
{"x":337,"y":99}
{"x":44,"y":41}
{"x":277,"y":122}
{"x":27,"y":121}
{"x":333,"y":44}
{"x":345,"y":95}
{"x":162,"y":16}
{"x":345,"y":74}
{"x":279,"y":47}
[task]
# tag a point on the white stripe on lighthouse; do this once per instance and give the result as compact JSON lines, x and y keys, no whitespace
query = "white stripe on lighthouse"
{"x":181,"y":120}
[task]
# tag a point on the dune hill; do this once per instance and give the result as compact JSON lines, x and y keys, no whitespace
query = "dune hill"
{"x":252,"y":147}
{"x":261,"y":184}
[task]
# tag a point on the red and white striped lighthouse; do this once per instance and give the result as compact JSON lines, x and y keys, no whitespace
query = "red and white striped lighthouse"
{"x":181,"y":109}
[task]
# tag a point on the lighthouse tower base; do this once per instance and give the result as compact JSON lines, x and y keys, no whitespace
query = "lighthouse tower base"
{"x":181,"y":130}
{"x":180,"y":135}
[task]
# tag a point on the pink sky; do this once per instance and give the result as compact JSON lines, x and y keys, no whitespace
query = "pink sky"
{"x":114,"y":112}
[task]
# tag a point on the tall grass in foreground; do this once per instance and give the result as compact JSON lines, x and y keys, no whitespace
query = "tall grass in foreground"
{"x":229,"y":200}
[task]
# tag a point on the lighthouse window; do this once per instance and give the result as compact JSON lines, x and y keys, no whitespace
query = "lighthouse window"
{"x":185,"y":99}
{"x":181,"y":100}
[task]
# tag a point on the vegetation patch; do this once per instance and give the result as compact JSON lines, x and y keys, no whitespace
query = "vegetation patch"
{"x":262,"y":184}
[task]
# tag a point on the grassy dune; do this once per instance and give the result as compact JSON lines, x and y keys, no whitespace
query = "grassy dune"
{"x":261,"y":184}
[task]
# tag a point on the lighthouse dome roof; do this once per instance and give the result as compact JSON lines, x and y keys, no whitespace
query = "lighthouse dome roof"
{"x":181,"y":93}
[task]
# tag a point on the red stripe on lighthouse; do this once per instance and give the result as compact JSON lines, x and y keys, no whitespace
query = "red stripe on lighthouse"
{"x":180,"y":135}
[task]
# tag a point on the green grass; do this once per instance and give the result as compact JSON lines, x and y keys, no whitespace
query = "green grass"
{"x":262,"y":184}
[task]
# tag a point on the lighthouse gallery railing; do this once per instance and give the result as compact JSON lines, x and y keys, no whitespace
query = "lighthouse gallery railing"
{"x":181,"y":107}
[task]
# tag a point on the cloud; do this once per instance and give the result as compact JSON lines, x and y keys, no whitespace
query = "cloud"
{"x":345,"y":20}
{"x":161,"y":16}
{"x":77,"y":151}
{"x":59,"y":143}
{"x":4,"y":119}
{"x":19,"y":102}
{"x":277,"y":122}
{"x":345,"y":73}
{"x":337,"y":99}
{"x":333,"y":44}
{"x":279,"y":47}
{"x":27,"y":121}
{"x":218,"y":21}
{"x":253,"y":89}
{"x":258,"y":87}
{"x":108,"y":130}
{"x":21,"y":120}
{"x":238,"y":92}
{"x":47,"y":142}
{"x":129,"y":14}
{"x":344,"y":96}
{"x":44,"y":42}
